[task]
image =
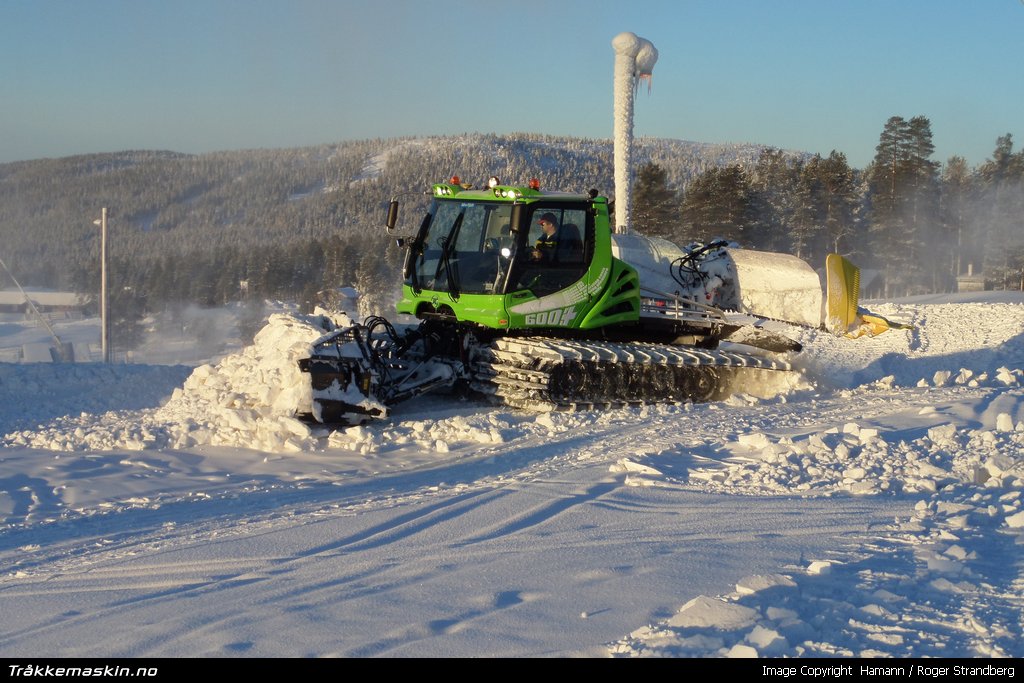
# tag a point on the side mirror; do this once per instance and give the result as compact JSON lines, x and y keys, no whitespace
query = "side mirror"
{"x":392,"y":215}
{"x":516,"y":218}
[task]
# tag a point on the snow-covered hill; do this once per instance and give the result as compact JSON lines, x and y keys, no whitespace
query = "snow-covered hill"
{"x":872,"y":510}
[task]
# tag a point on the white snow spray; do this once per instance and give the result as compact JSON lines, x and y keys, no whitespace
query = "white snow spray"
{"x":634,"y":60}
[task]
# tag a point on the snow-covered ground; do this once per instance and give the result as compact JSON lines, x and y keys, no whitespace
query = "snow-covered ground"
{"x":873,"y":509}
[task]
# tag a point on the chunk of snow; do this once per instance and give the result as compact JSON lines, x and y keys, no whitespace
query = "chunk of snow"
{"x":964,"y":376}
{"x":1015,"y":521}
{"x":627,"y":465}
{"x":863,"y":488}
{"x":1007,"y":377}
{"x":942,"y":434}
{"x":855,"y":473}
{"x":781,"y":614}
{"x":545,"y":420}
{"x":926,"y":469}
{"x":867,"y":435}
{"x":759,"y":582}
{"x":819,"y":567}
{"x":741,"y":651}
{"x":959,"y":553}
{"x":707,"y":612}
{"x":766,"y":640}
{"x":998,"y":464}
{"x":293,"y":426}
{"x":754,"y":440}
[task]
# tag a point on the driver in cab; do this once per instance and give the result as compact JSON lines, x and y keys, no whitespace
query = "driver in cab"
{"x":547,"y":244}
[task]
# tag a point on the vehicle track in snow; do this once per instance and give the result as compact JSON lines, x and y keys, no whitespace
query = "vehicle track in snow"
{"x":271,"y":547}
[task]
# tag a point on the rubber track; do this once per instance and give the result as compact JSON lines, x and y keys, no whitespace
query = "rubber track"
{"x":550,"y":374}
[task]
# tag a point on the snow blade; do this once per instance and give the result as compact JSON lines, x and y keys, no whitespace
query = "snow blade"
{"x":842,"y":280}
{"x":844,"y":316}
{"x":872,"y":325}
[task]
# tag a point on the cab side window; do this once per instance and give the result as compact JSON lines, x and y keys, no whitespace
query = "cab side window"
{"x":560,"y":243}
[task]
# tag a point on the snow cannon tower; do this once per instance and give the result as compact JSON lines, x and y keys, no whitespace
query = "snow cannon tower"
{"x":634,"y":61}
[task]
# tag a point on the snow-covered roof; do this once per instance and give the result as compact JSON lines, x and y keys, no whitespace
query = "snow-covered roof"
{"x":13,"y":297}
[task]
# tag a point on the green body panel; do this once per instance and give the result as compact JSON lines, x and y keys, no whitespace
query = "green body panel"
{"x":620,"y":302}
{"x":487,"y":310}
{"x":589,"y":290}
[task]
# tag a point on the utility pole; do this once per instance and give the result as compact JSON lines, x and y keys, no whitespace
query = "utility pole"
{"x":104,"y":329}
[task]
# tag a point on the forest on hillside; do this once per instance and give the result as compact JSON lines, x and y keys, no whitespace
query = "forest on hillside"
{"x":288,"y":224}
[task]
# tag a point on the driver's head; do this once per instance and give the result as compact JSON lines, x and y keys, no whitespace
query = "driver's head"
{"x":548,"y":223}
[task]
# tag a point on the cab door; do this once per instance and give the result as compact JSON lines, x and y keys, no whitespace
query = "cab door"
{"x":553,"y":291}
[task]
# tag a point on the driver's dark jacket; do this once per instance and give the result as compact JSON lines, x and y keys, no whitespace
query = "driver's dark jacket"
{"x":547,"y":245}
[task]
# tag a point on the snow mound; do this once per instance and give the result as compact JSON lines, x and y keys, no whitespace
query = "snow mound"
{"x":250,"y":399}
{"x":864,"y":460}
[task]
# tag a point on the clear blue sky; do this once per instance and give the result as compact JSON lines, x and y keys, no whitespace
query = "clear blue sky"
{"x":80,"y":76}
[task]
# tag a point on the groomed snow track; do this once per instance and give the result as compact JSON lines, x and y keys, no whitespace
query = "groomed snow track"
{"x":551,"y":374}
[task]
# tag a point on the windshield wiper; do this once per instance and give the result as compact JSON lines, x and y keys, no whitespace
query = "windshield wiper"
{"x":445,"y":262}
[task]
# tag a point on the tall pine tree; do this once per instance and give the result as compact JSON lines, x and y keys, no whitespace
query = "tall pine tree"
{"x":954,"y":208}
{"x":1002,"y":205}
{"x":774,"y":184}
{"x":902,"y":183}
{"x":718,"y":204}
{"x":656,"y":207}
{"x":839,"y":193}
{"x":807,"y":224}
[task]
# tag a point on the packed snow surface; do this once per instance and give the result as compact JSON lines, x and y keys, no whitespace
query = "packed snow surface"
{"x":872,"y":509}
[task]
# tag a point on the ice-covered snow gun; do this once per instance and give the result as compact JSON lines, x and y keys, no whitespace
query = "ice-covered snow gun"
{"x":634,"y":61}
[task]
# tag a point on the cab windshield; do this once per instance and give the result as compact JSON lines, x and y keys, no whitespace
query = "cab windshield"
{"x":466,"y":248}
